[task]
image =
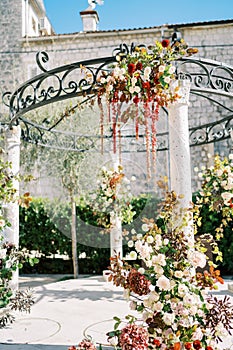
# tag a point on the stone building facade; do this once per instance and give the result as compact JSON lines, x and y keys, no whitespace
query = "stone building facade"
{"x":19,"y":45}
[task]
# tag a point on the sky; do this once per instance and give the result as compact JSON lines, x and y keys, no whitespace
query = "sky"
{"x":128,"y":14}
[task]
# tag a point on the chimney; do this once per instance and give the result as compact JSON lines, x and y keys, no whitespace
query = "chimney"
{"x":90,"y":19}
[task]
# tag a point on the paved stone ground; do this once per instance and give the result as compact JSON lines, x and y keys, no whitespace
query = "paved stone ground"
{"x":60,"y":318}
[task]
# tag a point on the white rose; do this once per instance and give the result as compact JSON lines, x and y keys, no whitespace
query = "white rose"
{"x":131,"y":89}
{"x":137,"y":89}
{"x":147,"y":70}
{"x":163,"y":283}
{"x":227,"y":197}
{"x":161,"y":68}
{"x":178,"y":274}
{"x":167,"y":80}
{"x":168,"y":318}
{"x":159,"y":259}
{"x":158,"y":306}
{"x":182,"y":290}
{"x":145,"y":227}
{"x":197,"y":258}
{"x":158,"y":270}
{"x":171,"y":70}
{"x":130,"y":244}
{"x":150,"y":239}
{"x":133,"y":255}
{"x":133,"y":80}
{"x":141,"y":270}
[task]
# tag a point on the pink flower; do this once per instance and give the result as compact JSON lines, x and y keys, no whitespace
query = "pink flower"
{"x":134,"y":337}
{"x":85,"y":345}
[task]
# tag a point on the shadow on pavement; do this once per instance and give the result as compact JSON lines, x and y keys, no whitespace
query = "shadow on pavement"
{"x":32,"y":347}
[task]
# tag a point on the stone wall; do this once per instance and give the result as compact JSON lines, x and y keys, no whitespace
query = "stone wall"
{"x":17,"y":60}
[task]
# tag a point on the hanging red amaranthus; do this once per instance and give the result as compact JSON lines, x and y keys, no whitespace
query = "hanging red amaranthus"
{"x":145,"y":78}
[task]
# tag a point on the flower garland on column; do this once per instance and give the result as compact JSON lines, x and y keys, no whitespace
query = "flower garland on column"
{"x":113,"y":195}
{"x":145,"y":79}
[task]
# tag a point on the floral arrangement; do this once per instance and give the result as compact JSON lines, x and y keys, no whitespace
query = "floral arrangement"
{"x":11,"y":258}
{"x":172,"y":308}
{"x":217,"y":190}
{"x":112,"y":197}
{"x":145,"y":78}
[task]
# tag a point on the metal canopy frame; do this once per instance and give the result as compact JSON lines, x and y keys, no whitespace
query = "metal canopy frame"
{"x":209,"y":79}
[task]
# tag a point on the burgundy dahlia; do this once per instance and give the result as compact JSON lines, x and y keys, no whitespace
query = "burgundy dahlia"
{"x":138,"y":283}
{"x":197,"y":344}
{"x":134,"y":337}
{"x":139,"y":66}
{"x":131,"y":68}
{"x":136,"y":99}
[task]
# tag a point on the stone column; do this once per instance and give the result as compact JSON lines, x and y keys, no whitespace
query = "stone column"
{"x":12,"y":148}
{"x":179,"y":151}
{"x":116,"y":231}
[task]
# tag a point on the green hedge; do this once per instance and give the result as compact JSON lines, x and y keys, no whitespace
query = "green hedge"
{"x":45,"y":228}
{"x":40,"y":230}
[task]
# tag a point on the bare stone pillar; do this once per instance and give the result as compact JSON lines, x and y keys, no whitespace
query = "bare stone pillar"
{"x":12,"y":148}
{"x":180,"y":163}
{"x":116,"y":231}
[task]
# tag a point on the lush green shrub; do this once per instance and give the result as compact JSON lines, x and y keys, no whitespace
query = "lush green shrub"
{"x":45,"y":228}
{"x":209,"y":222}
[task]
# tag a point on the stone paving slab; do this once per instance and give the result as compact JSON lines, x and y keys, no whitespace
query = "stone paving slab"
{"x":66,"y":310}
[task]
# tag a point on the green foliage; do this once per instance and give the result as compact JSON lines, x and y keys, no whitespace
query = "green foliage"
{"x":210,"y":221}
{"x":11,"y":257}
{"x":38,"y":231}
{"x":45,"y":227}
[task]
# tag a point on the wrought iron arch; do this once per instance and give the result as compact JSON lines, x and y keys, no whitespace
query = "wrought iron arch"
{"x":209,"y":79}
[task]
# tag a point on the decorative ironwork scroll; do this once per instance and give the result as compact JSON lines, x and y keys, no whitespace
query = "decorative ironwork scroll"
{"x":208,"y":79}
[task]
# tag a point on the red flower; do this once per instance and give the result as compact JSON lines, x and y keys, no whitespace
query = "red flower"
{"x":165,"y":42}
{"x":188,"y":346}
{"x":209,"y":348}
{"x":131,"y":68}
{"x":156,"y":342}
{"x":139,"y":66}
{"x":72,"y":348}
{"x":197,"y":344}
{"x":136,"y":99}
{"x":146,"y":85}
